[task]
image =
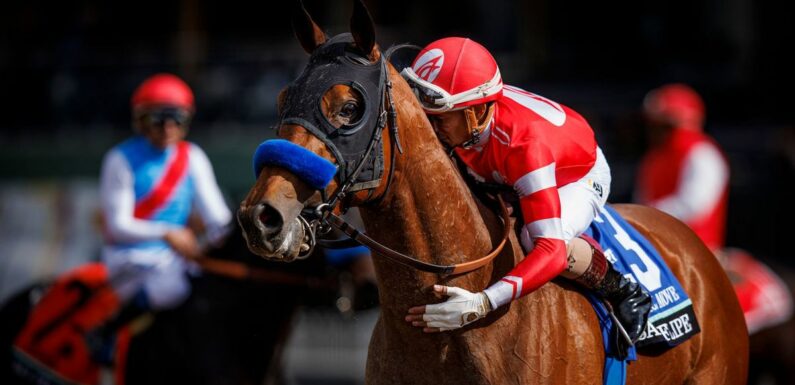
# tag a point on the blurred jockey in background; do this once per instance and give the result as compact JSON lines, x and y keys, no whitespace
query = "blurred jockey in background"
{"x":149,"y":185}
{"x":684,"y":174}
{"x":548,"y":154}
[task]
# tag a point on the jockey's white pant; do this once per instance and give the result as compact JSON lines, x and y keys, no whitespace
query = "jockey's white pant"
{"x":161,"y":273}
{"x":581,"y":201}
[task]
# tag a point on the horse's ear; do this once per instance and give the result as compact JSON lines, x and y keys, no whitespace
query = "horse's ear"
{"x":362,"y":28}
{"x":308,"y":33}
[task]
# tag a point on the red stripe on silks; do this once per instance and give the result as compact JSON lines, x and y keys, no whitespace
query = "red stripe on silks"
{"x":174,"y":174}
{"x":513,"y":286}
{"x":541,"y":204}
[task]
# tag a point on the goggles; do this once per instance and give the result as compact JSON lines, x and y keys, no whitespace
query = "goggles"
{"x":434,"y":99}
{"x":159,"y":116}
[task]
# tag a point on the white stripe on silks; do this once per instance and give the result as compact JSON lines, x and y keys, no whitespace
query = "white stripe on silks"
{"x":536,"y":180}
{"x":501,"y":136}
{"x":545,"y":228}
{"x":501,"y":292}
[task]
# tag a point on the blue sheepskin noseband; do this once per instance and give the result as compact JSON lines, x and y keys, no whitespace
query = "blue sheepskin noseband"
{"x":306,"y":165}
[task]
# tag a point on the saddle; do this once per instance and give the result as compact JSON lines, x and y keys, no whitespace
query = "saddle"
{"x":51,"y":348}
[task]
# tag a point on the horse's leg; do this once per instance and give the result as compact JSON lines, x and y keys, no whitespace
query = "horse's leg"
{"x":717,"y":355}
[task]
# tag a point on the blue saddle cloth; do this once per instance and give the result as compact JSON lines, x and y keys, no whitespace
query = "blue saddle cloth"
{"x":671,"y":320}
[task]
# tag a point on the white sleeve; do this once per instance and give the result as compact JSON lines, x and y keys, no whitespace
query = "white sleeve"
{"x":209,"y":200}
{"x":701,"y":184}
{"x":117,"y":199}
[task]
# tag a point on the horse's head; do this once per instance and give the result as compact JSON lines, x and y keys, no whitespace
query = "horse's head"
{"x":331,"y":146}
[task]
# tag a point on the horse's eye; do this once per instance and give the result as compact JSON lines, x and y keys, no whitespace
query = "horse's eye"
{"x":350,"y":113}
{"x":349,"y":110}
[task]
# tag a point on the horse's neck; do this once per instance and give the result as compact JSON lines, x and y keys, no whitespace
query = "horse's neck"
{"x":429,"y":214}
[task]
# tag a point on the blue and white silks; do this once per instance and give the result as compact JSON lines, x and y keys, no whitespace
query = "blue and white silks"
{"x":148,"y":164}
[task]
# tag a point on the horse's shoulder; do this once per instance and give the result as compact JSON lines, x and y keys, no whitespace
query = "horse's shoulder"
{"x":543,"y":321}
{"x":554,"y":297}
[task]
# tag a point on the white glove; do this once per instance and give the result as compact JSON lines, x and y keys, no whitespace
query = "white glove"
{"x":462,"y":308}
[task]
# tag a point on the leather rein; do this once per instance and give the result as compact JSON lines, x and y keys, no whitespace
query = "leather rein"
{"x":396,"y":256}
{"x":323,"y":215}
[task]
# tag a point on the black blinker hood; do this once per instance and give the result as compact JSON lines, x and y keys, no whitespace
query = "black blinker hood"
{"x":339,"y":62}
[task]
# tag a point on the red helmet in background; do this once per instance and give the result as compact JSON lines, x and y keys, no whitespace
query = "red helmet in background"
{"x":453,"y":73}
{"x":676,"y":104}
{"x":163,"y":90}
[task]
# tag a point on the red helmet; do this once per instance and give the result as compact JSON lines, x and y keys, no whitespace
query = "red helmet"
{"x":453,"y":73}
{"x":163,"y":89}
{"x":676,"y":104}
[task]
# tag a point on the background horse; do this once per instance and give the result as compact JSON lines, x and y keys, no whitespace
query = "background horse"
{"x":229,"y":331}
{"x":423,"y":208}
{"x":772,"y":350}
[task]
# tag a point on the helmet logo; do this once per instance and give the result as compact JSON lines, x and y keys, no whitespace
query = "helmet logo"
{"x":429,"y":64}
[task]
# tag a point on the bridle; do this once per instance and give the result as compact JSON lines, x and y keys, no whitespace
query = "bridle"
{"x":366,"y":172}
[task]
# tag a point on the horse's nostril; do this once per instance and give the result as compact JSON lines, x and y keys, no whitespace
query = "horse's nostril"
{"x":270,"y":219}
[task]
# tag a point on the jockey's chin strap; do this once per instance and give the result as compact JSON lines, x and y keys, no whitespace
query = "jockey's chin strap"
{"x":477,"y":126}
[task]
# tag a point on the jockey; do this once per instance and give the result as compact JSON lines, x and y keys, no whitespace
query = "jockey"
{"x":684,"y":174}
{"x":548,"y":154}
{"x":148,"y":186}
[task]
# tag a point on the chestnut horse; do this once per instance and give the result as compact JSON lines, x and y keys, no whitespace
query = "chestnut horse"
{"x":423,"y":208}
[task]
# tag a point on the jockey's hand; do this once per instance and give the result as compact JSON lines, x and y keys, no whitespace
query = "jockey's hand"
{"x":462,"y":308}
{"x":184,"y":242}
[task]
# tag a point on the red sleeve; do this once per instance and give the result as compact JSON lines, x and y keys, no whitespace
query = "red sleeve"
{"x":530,"y":168}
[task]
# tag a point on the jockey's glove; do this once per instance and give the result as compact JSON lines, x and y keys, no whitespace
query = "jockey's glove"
{"x":462,"y":308}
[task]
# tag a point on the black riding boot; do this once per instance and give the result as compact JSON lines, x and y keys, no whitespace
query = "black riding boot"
{"x":101,"y":341}
{"x":630,"y":303}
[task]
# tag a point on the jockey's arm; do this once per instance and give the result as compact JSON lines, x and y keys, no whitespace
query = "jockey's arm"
{"x":117,"y":199}
{"x":209,"y":202}
{"x":701,"y":183}
{"x":531,"y":170}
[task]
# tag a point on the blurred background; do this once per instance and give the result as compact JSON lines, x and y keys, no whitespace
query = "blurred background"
{"x":68,"y":69}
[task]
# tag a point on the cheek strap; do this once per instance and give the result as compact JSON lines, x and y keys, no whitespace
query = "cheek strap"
{"x":311,"y":168}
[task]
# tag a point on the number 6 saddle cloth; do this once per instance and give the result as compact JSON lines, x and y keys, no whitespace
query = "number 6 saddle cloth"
{"x":50,"y":349}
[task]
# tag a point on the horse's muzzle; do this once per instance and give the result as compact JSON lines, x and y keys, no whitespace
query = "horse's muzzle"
{"x":266,"y":234}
